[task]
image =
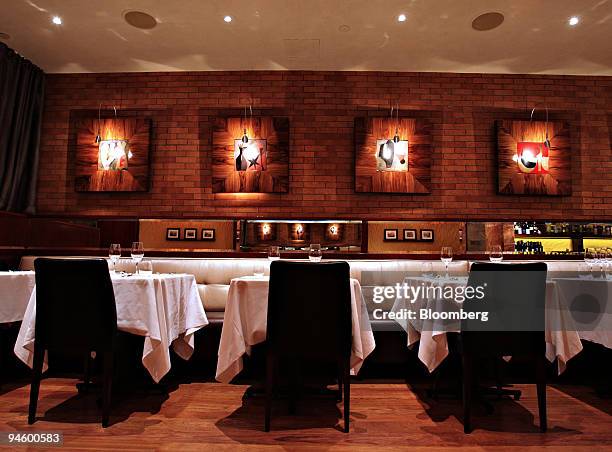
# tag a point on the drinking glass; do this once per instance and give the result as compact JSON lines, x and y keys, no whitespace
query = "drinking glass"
{"x":496,"y":254}
{"x":259,"y":269}
{"x":146,"y":267}
{"x":589,"y":258}
{"x":137,"y":253}
{"x":315,"y":253}
{"x":274,"y":253}
{"x":446,"y":256}
{"x":427,"y":269}
{"x":114,"y":254}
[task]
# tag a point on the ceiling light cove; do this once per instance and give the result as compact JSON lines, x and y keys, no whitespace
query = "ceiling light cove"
{"x":401,"y":18}
{"x":57,"y":20}
{"x":487,"y":21}
{"x":573,"y":21}
{"x":139,"y":19}
{"x":227,"y":19}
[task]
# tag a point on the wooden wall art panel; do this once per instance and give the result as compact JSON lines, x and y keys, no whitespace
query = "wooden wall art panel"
{"x":399,"y":173}
{"x":238,"y":172}
{"x":120,"y":163}
{"x":531,"y":164}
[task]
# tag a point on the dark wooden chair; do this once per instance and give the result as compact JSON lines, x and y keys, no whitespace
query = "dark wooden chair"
{"x":309,"y":321}
{"x":515,"y":298}
{"x":75,"y":311}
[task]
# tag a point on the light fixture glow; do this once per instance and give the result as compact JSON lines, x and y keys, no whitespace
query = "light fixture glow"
{"x":227,"y":19}
{"x":401,"y":18}
{"x":56,"y":20}
{"x":573,"y":21}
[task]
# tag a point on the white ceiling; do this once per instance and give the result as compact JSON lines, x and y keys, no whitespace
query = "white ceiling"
{"x":304,"y":34}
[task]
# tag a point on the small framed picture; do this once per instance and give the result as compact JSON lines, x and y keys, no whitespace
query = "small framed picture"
{"x":173,"y":234}
{"x":390,"y":235}
{"x":410,"y":234}
{"x":427,"y":235}
{"x":208,"y":234}
{"x":190,"y":234}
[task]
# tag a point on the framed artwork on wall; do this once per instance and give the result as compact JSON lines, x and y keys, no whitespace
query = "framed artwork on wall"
{"x":250,"y":155}
{"x":208,"y":234}
{"x":390,"y":235}
{"x":427,"y":235}
{"x":410,"y":235}
{"x":190,"y":234}
{"x":112,"y":155}
{"x":173,"y":234}
{"x":393,"y":155}
{"x":534,"y":158}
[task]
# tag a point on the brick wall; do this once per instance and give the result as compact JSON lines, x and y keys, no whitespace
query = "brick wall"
{"x":322,"y":107}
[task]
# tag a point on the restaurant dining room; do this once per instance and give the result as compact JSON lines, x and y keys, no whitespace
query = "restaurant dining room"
{"x":305,"y":225}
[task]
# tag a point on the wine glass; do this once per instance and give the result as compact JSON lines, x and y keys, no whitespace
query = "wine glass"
{"x":114,"y":254}
{"x":446,"y":256}
{"x":137,"y":253}
{"x":589,"y":258}
{"x":315,"y":253}
{"x":427,"y":269}
{"x":496,"y":254}
{"x":274,"y":253}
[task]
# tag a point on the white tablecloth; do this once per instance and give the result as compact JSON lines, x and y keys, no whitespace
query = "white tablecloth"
{"x":15,"y":291}
{"x":561,"y":343}
{"x":165,"y":309}
{"x":245,"y":322}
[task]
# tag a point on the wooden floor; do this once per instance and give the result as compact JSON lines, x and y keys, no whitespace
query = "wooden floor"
{"x":384,"y":416}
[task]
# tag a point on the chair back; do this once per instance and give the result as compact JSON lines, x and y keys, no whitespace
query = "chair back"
{"x":75,"y":305}
{"x":309,"y":310}
{"x":514,"y":297}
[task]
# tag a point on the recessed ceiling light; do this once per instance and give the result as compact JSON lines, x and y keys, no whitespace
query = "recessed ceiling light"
{"x":487,"y":21}
{"x":227,"y":19}
{"x":573,"y":21}
{"x":344,"y":28}
{"x":401,"y":18}
{"x":140,"y":20}
{"x":57,"y":20}
{"x":4,"y":36}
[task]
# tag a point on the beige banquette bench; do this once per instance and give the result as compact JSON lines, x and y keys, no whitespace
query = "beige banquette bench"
{"x":213,"y":275}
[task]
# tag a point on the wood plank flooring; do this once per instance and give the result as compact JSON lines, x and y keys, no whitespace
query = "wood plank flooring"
{"x":384,"y":416}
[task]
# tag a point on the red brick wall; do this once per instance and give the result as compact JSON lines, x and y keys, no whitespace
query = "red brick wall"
{"x":322,"y":107}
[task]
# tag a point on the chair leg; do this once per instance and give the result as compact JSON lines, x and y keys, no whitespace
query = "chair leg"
{"x":39,"y":357}
{"x":109,"y":358}
{"x":270,"y":361}
{"x":541,"y":387}
{"x":347,"y":394}
{"x":467,"y":393}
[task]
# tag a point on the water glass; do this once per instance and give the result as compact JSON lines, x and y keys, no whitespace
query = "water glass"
{"x":114,"y":254}
{"x":146,"y":267}
{"x":589,"y":258}
{"x":259,"y":269}
{"x":446,"y":256}
{"x":274,"y":253}
{"x":137,"y":253}
{"x":496,"y":254}
{"x":315,"y":253}
{"x":427,"y":270}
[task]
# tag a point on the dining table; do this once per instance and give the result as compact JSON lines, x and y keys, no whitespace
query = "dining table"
{"x":165,"y":309}
{"x":563,"y":341}
{"x":15,"y":290}
{"x":245,"y":322}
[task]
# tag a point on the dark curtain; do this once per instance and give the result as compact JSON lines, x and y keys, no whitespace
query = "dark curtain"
{"x":21,"y":106}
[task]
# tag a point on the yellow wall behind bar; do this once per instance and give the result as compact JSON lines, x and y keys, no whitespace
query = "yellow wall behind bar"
{"x":597,"y":243}
{"x":550,"y":244}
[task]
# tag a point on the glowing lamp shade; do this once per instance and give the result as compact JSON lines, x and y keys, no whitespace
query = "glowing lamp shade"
{"x":392,"y":154}
{"x":532,"y":157}
{"x":250,"y":156}
{"x":113,"y":155}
